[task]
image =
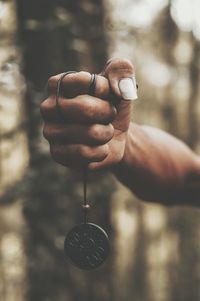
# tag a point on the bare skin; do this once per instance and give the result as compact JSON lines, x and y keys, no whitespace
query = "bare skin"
{"x":95,"y":133}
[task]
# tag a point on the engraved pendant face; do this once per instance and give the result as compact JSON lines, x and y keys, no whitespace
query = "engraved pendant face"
{"x":87,"y":246}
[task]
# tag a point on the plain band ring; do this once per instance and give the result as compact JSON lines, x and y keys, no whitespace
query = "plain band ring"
{"x":59,"y":82}
{"x":92,"y":87}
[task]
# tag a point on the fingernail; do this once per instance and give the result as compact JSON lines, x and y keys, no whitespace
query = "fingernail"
{"x":128,"y":88}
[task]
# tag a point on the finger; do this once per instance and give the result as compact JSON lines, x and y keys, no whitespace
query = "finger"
{"x":81,"y":109}
{"x":96,"y":134}
{"x":116,"y":153}
{"x":121,"y":76}
{"x":75,"y":84}
{"x":78,"y":155}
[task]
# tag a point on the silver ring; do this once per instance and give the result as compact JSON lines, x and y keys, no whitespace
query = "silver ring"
{"x":92,"y":87}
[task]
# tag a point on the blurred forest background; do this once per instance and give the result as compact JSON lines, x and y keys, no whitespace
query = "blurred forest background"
{"x":155,"y":249}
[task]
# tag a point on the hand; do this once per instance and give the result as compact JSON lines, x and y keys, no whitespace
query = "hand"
{"x":91,"y":131}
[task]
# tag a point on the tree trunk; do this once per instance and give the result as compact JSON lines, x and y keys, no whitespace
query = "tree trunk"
{"x":57,"y":38}
{"x":13,"y":159}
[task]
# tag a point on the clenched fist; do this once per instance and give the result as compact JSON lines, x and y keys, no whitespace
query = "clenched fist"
{"x":92,"y":130}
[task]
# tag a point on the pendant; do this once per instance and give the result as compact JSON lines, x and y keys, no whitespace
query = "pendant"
{"x":87,"y":246}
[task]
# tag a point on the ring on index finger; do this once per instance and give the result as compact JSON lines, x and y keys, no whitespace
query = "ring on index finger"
{"x":59,"y":83}
{"x":91,"y":90}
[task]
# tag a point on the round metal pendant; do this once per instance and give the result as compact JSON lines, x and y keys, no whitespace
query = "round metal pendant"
{"x":87,"y":246}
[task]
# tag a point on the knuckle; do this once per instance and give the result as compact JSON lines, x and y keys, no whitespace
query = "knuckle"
{"x":109,"y":131}
{"x":104,"y":151}
{"x":95,"y":132}
{"x":58,"y":155}
{"x":46,"y":133}
{"x":52,"y":83}
{"x":109,"y":115}
{"x":62,"y":155}
{"x":122,"y":64}
{"x":45,"y":106}
{"x":86,"y":106}
{"x":126,"y":63}
{"x":83,"y":151}
{"x":49,"y":133}
{"x":90,"y":154}
{"x":83,"y":75}
{"x":101,"y":133}
{"x":92,"y":167}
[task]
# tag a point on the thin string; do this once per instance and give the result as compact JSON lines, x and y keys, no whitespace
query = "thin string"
{"x":91,"y":91}
{"x":85,"y":202}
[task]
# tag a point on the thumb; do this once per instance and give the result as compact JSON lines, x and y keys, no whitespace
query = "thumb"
{"x":121,"y":76}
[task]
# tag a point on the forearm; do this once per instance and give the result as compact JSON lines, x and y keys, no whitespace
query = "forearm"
{"x":160,"y":168}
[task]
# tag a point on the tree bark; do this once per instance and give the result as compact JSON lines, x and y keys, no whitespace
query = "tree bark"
{"x":56,"y":37}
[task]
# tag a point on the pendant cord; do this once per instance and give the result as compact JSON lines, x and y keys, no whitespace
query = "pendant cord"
{"x":85,"y":204}
{"x":91,"y":91}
